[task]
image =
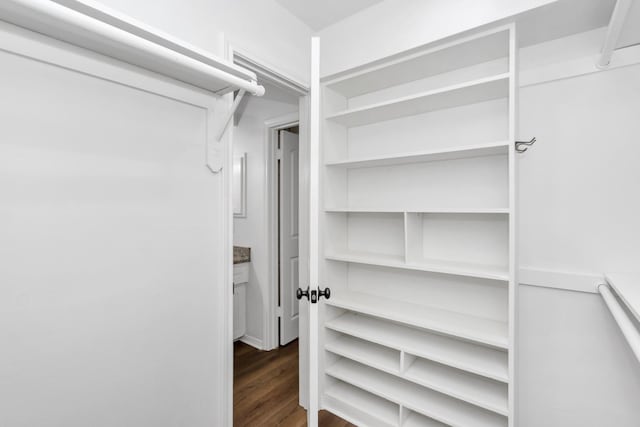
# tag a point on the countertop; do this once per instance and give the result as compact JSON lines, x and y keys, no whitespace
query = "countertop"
{"x":241,"y":254}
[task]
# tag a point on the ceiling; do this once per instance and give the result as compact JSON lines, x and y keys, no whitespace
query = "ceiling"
{"x":320,"y":14}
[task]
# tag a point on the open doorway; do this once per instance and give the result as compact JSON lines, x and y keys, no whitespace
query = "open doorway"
{"x":265,"y":140}
{"x":271,"y":229}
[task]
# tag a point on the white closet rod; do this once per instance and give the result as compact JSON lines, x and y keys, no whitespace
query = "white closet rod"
{"x":62,"y":23}
{"x":627,"y":327}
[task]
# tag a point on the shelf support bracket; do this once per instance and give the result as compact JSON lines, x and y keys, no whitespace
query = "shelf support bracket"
{"x":614,"y":29}
{"x":232,"y":111}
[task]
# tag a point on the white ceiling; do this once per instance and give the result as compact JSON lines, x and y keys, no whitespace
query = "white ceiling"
{"x":319,"y":14}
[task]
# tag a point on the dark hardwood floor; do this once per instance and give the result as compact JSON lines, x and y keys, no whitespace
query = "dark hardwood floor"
{"x":265,"y":389}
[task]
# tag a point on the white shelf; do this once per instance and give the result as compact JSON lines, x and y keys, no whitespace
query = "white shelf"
{"x":627,"y":286}
{"x":476,"y":390}
{"x":479,"y":90}
{"x":461,"y":53}
{"x":426,"y":211}
{"x":450,"y":411}
{"x":477,"y":150}
{"x":380,"y":357}
{"x":472,"y":328}
{"x":360,"y":407}
{"x":469,"y":357}
{"x":433,"y":266}
{"x":417,"y":420}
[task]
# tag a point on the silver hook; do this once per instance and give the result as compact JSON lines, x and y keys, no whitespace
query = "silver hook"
{"x":528,"y":144}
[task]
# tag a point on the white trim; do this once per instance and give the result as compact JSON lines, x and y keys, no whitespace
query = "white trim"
{"x":314,"y":256}
{"x":243,"y":185}
{"x":268,"y":74}
{"x":63,"y":23}
{"x":271,"y":128}
{"x":252,"y":341}
{"x":567,"y":281}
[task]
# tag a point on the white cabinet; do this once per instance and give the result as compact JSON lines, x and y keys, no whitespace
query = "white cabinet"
{"x":416,"y":229}
{"x":240,"y":281}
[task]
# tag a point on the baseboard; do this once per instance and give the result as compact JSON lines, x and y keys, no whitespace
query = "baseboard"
{"x":252,"y":341}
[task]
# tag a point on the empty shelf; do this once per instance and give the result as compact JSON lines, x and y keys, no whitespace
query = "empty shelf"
{"x":430,"y":403}
{"x":425,"y":63}
{"x":380,"y":357}
{"x":359,"y":406}
{"x":490,"y":149}
{"x":433,"y":266}
{"x":479,"y":391}
{"x":426,"y":210}
{"x":481,"y":330}
{"x":472,"y":358}
{"x":479,"y":90}
{"x":417,"y":420}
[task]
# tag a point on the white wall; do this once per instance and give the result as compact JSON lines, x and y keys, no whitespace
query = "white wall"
{"x":248,"y":137}
{"x":261,"y":28}
{"x":579,"y":210}
{"x":393,"y":26}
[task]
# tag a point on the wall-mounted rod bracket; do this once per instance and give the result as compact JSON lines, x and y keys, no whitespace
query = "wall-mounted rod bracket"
{"x":618,"y":17}
{"x":527,"y":144}
{"x":232,"y":111}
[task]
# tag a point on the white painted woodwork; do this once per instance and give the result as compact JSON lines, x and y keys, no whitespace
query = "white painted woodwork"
{"x":463,"y":355}
{"x":627,"y":287}
{"x":417,"y":233}
{"x":101,"y":32}
{"x":289,"y":252}
{"x":360,"y":407}
{"x":478,"y":150}
{"x":477,"y":329}
{"x":240,"y":281}
{"x":437,"y":60}
{"x":377,"y":356}
{"x":315,"y":237}
{"x":420,"y":399}
{"x":481,"y":392}
{"x":484,"y":89}
{"x":415,"y":419}
{"x":628,"y":324}
{"x":241,"y":273}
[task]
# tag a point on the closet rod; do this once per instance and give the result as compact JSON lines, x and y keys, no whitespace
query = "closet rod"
{"x":135,"y":45}
{"x":628,"y":328}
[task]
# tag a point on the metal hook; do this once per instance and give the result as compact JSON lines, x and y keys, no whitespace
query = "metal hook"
{"x":527,"y":143}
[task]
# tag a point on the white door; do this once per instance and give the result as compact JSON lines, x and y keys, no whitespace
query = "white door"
{"x":288,"y":241}
{"x":314,"y":234}
{"x":112,"y":244}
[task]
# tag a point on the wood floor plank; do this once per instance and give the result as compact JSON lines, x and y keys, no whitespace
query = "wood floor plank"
{"x":265,"y":389}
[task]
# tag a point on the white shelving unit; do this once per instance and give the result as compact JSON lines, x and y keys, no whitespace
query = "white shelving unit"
{"x":417,"y":222}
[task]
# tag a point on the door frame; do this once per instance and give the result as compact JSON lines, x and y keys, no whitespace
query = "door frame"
{"x":271,"y":129}
{"x":271,"y":74}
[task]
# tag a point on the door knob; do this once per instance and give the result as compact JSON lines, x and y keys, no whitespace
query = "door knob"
{"x":326,"y":293}
{"x":300,"y":293}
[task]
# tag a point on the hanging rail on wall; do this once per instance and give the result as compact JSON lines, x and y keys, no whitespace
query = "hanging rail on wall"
{"x":528,"y":144}
{"x":126,"y":40}
{"x":626,"y":325}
